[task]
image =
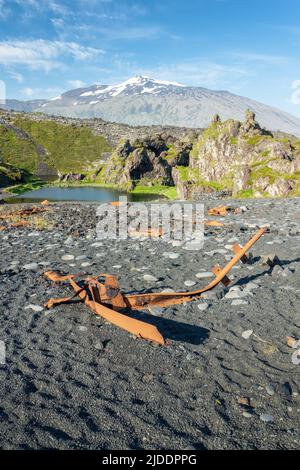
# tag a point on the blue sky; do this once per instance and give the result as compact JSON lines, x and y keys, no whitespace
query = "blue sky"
{"x":247,"y":47}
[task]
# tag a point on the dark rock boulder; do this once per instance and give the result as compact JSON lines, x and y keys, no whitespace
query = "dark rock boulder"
{"x":71,"y":177}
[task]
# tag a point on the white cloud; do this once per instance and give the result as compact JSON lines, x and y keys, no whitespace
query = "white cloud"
{"x":197,"y":73}
{"x":295,"y":99}
{"x":43,"y":54}
{"x":267,"y":59}
{"x":76,"y":83}
{"x":58,"y":8}
{"x":3,"y":10}
{"x":45,"y":93}
{"x":29,"y":92}
{"x":18,"y":77}
{"x":130,"y":33}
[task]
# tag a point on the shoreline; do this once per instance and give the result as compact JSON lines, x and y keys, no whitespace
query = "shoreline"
{"x":168,"y":192}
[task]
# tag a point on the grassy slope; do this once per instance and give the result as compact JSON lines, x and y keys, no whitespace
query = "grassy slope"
{"x":17,"y":152}
{"x":69,"y":149}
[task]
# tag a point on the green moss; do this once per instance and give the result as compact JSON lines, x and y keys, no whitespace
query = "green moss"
{"x":193,"y":176}
{"x":167,"y":191}
{"x":184,"y":173}
{"x":16,"y":151}
{"x":24,"y":187}
{"x":254,"y":140}
{"x":292,"y":176}
{"x":11,"y":172}
{"x":266,"y":153}
{"x":212,"y":132}
{"x":69,"y":148}
{"x":247,"y":193}
{"x":171,"y":153}
{"x":283,"y":140}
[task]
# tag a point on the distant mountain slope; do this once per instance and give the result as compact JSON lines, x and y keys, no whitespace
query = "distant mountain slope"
{"x":27,"y":106}
{"x":145,"y":101}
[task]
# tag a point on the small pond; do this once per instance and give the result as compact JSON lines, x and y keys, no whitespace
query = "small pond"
{"x":91,"y":194}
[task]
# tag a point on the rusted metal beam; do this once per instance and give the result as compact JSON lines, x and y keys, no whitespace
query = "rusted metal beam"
{"x":103,"y":296}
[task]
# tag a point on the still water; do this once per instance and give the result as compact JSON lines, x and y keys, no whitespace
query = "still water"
{"x":80,"y":194}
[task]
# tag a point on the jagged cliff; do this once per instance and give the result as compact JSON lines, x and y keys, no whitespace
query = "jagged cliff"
{"x":242,"y":158}
{"x":234,"y":157}
{"x":239,"y":158}
{"x":145,"y":162}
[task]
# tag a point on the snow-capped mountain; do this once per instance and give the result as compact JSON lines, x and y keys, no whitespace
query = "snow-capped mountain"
{"x":146,"y":101}
{"x":134,"y":86}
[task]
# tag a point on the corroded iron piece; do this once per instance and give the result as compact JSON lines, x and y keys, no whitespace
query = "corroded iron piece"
{"x":103,"y":296}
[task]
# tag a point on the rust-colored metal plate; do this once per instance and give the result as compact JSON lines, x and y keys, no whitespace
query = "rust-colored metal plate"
{"x":218,"y":211}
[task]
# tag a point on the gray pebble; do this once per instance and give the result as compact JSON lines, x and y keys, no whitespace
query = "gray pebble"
{"x":156,"y":311}
{"x":31,"y":266}
{"x":237,"y":302}
{"x":189,"y":283}
{"x":80,"y":257}
{"x":35,"y":308}
{"x":247,"y":334}
{"x":202,"y":307}
{"x":82,"y":328}
{"x":266,"y":418}
{"x":246,"y":414}
{"x":204,"y":275}
{"x":270,"y":390}
{"x":68,"y":257}
{"x":150,"y":278}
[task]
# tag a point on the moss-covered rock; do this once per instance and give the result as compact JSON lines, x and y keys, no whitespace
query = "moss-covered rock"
{"x":243,"y":158}
{"x":11,"y":175}
{"x":147,"y":162}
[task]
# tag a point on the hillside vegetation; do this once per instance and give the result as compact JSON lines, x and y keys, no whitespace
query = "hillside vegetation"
{"x":46,"y":145}
{"x":232,"y":157}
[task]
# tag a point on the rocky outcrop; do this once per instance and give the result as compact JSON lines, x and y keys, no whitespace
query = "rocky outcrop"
{"x":229,"y":157}
{"x":148,"y":162}
{"x":71,"y":177}
{"x":10,"y":175}
{"x":243,"y":158}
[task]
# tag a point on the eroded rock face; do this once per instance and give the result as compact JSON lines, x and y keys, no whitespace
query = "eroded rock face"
{"x":71,"y":177}
{"x":10,"y":175}
{"x":281,"y":188}
{"x":231,"y":157}
{"x":246,"y":159}
{"x":148,"y":161}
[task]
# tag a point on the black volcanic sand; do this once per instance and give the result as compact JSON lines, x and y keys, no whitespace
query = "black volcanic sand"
{"x":73,"y":381}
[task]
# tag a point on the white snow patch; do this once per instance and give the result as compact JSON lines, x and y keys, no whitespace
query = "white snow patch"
{"x":88,"y":93}
{"x":149,"y":85}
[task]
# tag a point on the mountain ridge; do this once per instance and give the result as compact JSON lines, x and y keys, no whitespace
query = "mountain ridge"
{"x":146,"y":101}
